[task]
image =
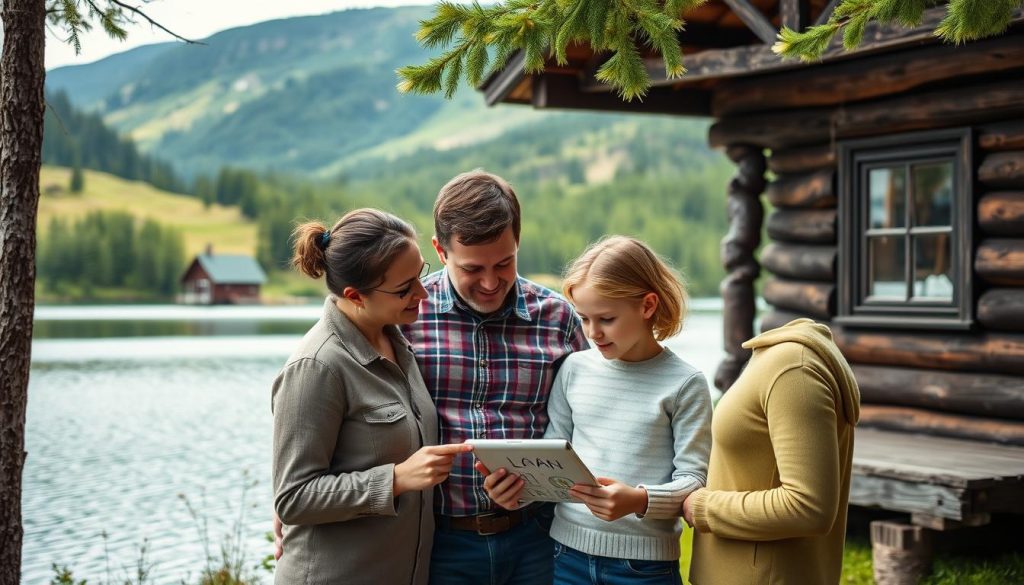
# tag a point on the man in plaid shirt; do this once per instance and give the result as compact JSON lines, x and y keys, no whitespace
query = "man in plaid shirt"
{"x":488,"y":343}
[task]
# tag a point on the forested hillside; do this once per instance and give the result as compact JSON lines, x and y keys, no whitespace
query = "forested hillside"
{"x":299,"y":118}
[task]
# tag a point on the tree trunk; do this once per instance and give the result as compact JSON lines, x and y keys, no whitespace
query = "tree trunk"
{"x":21,"y":139}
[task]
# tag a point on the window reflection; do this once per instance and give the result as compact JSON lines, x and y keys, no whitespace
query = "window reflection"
{"x":933,"y":194}
{"x":888,"y":197}
{"x":933,"y":273}
{"x":886,"y":267}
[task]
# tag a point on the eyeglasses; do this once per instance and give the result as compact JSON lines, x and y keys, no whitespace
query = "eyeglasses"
{"x":404,"y":292}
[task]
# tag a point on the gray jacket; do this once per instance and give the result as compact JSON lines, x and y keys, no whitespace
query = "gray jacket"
{"x":343,"y":417}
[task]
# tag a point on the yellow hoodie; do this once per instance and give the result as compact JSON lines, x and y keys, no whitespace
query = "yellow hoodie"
{"x":774,"y":509}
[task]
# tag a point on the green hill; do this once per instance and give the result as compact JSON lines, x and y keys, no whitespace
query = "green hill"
{"x":222,"y":227}
{"x":313,"y":95}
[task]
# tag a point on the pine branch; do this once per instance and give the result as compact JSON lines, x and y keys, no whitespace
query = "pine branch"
{"x":965,"y":20}
{"x":543,"y":29}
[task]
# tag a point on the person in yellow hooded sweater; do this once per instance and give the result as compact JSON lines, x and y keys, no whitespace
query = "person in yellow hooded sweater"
{"x":774,"y":509}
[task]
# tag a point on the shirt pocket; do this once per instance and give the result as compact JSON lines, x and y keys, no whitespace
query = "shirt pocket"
{"x":531,"y":381}
{"x":390,"y":431}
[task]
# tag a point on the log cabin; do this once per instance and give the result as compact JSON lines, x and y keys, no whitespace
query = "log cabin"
{"x":894,"y":176}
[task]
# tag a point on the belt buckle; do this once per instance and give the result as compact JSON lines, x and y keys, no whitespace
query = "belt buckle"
{"x":489,"y":517}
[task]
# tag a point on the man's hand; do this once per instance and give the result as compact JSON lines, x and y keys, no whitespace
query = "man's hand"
{"x":427,"y":467}
{"x":501,"y":486}
{"x":278,"y":537}
{"x":612,"y":500}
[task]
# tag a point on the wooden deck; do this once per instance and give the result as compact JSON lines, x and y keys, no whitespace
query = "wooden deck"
{"x":944,"y":483}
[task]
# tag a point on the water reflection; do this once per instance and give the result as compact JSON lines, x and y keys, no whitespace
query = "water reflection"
{"x":128,"y":408}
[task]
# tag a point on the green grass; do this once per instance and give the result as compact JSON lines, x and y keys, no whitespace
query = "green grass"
{"x":1004,"y":569}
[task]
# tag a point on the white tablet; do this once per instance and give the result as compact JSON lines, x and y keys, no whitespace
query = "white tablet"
{"x":548,"y":466}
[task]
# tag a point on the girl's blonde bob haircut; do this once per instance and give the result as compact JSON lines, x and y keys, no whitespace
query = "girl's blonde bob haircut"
{"x":620,"y":267}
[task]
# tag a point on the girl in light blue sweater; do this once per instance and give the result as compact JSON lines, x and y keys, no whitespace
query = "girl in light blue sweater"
{"x":636,"y":413}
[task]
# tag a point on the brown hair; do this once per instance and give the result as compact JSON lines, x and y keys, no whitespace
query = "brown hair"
{"x":620,"y":267}
{"x":357,"y":252}
{"x":475,"y":207}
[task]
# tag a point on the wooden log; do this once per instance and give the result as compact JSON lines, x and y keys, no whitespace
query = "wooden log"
{"x":1003,"y":169}
{"x":808,"y":226}
{"x":1002,"y":136}
{"x":1001,"y":261}
{"x":746,"y":215}
{"x":776,"y":318}
{"x":941,"y":108}
{"x":913,"y":420}
{"x":815,"y":263}
{"x":1000,"y":213}
{"x":867,"y":78}
{"x":802,"y":160}
{"x":816,"y":299}
{"x":990,"y":395}
{"x":901,"y":554}
{"x":754,"y":19}
{"x":816,"y":190}
{"x":996,"y":353}
{"x":1002,"y":309}
{"x":793,"y":13}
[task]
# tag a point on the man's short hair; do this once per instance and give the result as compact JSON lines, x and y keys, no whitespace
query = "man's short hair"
{"x":476,"y":207}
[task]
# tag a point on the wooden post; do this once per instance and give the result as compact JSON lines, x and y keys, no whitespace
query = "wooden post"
{"x":901,"y":553}
{"x":745,"y":218}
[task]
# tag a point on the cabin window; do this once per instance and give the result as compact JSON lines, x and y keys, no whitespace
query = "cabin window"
{"x":905,"y":230}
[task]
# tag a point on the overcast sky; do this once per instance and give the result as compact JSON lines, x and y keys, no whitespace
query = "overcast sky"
{"x":195,"y":19}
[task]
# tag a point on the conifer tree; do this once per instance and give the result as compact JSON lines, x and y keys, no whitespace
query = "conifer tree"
{"x":77,"y":177}
{"x":22,"y":74}
{"x":478,"y":40}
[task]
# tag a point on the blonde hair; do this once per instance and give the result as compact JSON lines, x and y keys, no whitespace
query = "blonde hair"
{"x":620,"y":267}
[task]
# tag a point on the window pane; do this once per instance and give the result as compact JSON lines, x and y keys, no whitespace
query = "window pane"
{"x":933,"y":193}
{"x":933,"y":274}
{"x":888,"y":197}
{"x":886,"y":267}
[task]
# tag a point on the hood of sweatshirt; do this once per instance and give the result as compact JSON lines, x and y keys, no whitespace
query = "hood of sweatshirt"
{"x":818,"y":338}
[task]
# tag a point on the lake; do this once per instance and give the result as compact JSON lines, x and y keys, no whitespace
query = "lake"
{"x":134,"y":410}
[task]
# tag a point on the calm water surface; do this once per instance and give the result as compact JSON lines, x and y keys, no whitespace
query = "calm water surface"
{"x":133,"y":410}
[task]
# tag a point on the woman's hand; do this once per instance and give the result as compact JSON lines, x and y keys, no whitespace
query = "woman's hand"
{"x":427,"y":467}
{"x":278,"y":537}
{"x":502,"y":487}
{"x":612,"y":500}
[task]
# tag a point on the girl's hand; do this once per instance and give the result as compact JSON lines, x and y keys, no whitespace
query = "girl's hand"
{"x":612,"y":500}
{"x":502,"y":487}
{"x":427,"y":467}
{"x":688,"y":509}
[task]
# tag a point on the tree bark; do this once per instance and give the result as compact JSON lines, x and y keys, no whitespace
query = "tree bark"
{"x":21,"y":138}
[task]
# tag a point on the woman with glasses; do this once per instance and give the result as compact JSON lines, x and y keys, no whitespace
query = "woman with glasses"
{"x":355,"y":432}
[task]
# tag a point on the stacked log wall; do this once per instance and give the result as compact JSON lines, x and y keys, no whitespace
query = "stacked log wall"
{"x":966,"y":384}
{"x":801,"y":253}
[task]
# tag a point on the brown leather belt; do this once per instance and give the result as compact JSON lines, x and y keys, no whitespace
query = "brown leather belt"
{"x":488,"y":523}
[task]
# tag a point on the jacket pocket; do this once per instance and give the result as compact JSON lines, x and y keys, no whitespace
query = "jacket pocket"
{"x":390,"y":432}
{"x":385,"y":413}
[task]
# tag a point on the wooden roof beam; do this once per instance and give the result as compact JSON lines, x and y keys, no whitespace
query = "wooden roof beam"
{"x":825,"y":14}
{"x":793,"y":13}
{"x":750,"y":60}
{"x":563,"y":91}
{"x":754,"y":19}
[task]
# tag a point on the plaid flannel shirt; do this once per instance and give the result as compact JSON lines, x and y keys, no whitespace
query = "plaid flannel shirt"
{"x":489,"y":376}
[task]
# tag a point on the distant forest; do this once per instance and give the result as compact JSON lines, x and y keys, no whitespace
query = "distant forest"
{"x":578,"y":177}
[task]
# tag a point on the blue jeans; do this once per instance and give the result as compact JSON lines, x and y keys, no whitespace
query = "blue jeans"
{"x":573,"y":567}
{"x":520,"y":556}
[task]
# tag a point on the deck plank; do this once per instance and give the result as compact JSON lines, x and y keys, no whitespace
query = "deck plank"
{"x":936,"y":460}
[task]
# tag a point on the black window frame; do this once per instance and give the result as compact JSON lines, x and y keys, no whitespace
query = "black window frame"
{"x":856,"y":158}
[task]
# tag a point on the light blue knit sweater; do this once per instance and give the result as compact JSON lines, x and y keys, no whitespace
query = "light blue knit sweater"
{"x":642,"y":423}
